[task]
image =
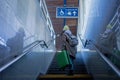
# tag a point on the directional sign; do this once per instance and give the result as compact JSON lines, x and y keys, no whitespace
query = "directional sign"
{"x":66,"y":12}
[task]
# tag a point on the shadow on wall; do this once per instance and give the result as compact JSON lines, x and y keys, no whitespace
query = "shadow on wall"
{"x":13,"y":47}
{"x":4,"y":50}
{"x":16,"y":43}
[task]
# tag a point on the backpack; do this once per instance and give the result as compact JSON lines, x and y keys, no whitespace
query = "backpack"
{"x":72,"y":39}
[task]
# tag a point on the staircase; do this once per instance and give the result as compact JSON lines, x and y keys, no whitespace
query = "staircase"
{"x":54,"y":73}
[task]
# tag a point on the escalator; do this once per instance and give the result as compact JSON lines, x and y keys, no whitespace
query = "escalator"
{"x":28,"y":64}
{"x":98,"y":62}
{"x":12,"y":59}
{"x":54,"y":73}
{"x":96,"y":66}
{"x":88,"y":65}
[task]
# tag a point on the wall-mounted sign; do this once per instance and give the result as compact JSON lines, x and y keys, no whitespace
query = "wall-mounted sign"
{"x":67,"y":12}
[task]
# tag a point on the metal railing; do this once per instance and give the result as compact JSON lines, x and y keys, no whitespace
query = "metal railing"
{"x":111,"y":53}
{"x":26,"y":50}
{"x":46,"y":16}
{"x":115,"y":22}
{"x":81,"y":39}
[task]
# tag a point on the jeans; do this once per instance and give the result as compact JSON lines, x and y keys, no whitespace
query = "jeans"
{"x":72,"y":63}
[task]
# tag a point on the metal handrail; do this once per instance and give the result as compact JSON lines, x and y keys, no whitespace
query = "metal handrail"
{"x":81,"y":40}
{"x":25,"y":51}
{"x":111,"y":53}
{"x":117,"y":71}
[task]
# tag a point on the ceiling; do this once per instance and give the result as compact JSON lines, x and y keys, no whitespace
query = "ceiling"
{"x":58,"y":23}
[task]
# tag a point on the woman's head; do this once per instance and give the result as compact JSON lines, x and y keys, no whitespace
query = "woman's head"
{"x":66,"y":27}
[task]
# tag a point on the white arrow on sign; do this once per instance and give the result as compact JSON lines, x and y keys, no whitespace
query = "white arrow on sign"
{"x":74,"y":13}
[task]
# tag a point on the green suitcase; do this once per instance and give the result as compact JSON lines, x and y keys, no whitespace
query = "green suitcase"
{"x":63,"y":59}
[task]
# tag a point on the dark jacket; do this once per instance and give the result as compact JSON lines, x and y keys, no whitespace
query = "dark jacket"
{"x":71,"y":50}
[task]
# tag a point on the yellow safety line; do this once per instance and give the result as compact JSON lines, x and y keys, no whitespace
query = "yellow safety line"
{"x":66,"y":76}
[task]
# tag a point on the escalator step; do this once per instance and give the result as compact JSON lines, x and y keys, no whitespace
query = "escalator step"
{"x":63,"y":76}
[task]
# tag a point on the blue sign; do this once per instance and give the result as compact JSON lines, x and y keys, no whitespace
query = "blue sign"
{"x":66,"y":12}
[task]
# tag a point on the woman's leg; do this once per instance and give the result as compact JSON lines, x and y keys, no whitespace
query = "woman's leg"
{"x":71,"y":67}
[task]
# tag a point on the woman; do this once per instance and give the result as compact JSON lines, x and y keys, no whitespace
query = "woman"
{"x":71,"y":50}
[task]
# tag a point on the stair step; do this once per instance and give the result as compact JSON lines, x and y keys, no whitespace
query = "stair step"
{"x":63,"y":76}
{"x":59,"y":72}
